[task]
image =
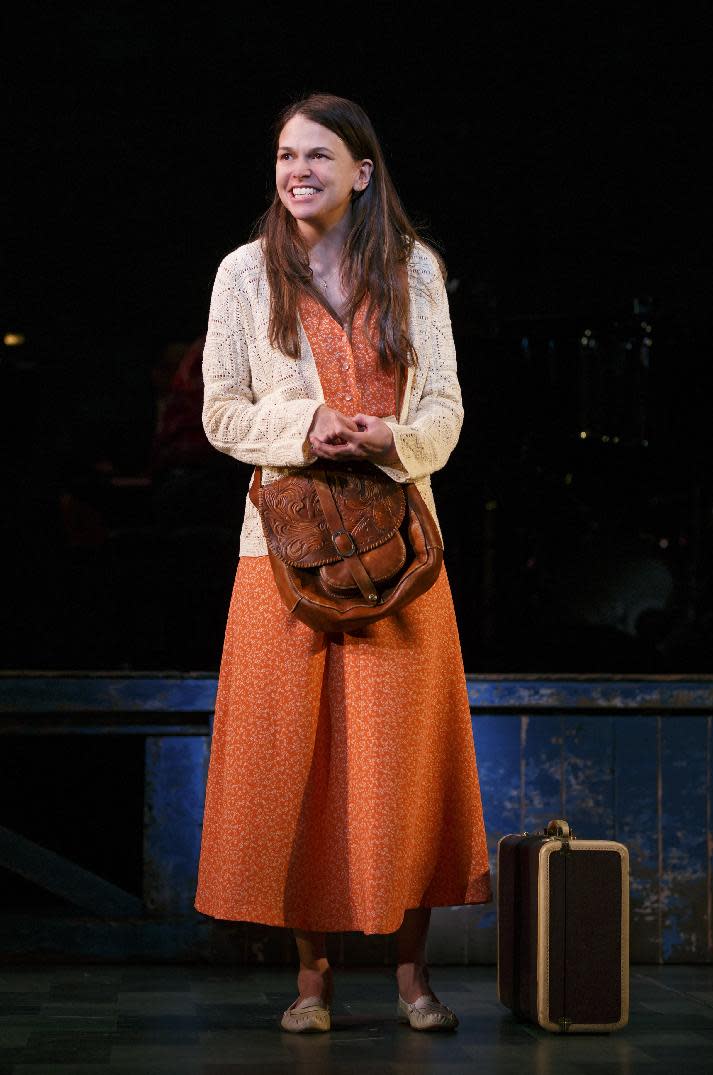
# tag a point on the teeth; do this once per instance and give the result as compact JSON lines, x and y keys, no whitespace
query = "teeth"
{"x":303,"y":192}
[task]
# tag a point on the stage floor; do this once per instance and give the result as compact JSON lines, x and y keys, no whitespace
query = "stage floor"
{"x":194,"y":1019}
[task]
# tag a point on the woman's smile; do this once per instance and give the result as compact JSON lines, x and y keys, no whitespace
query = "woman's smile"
{"x":301,"y":193}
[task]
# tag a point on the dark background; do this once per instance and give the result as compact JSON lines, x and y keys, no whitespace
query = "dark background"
{"x":555,"y":155}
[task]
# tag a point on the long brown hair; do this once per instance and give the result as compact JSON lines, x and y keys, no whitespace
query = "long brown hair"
{"x":376,"y":251}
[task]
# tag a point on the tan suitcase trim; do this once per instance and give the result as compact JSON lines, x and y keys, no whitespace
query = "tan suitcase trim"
{"x":543,"y":963}
{"x":497,"y":921}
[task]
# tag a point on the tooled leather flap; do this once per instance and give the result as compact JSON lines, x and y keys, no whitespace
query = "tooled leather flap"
{"x":372,"y":507}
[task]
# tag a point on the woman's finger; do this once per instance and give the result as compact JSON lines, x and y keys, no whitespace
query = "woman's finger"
{"x":340,"y":451}
{"x":329,"y":441}
{"x":342,"y":421}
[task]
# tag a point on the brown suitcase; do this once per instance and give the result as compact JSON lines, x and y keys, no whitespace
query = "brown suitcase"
{"x":563,"y":929}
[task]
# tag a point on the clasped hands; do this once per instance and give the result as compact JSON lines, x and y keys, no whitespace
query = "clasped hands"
{"x":333,"y":435}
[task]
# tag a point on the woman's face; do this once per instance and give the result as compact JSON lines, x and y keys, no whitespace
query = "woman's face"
{"x":316,"y":174}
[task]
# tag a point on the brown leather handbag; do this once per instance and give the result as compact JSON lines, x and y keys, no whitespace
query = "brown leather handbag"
{"x":348,"y":545}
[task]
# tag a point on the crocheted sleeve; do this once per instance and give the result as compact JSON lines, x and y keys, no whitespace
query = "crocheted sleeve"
{"x":431,"y":432}
{"x":243,"y":415}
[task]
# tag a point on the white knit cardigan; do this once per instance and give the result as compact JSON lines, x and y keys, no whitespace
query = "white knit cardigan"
{"x":258,"y":404}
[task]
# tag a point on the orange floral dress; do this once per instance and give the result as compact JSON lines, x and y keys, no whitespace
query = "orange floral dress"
{"x":342,"y":784}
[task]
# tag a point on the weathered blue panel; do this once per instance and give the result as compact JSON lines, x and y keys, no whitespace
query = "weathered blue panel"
{"x":636,"y":825}
{"x":497,"y":744}
{"x":546,"y":747}
{"x":588,"y":799}
{"x":542,"y":759}
{"x":62,"y":692}
{"x":84,"y":724}
{"x":684,"y":873}
{"x":653,"y":693}
{"x":93,"y":691}
{"x":173,"y":815}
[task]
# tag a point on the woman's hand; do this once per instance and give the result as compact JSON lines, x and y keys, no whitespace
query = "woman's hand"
{"x":329,"y":426}
{"x":364,"y":436}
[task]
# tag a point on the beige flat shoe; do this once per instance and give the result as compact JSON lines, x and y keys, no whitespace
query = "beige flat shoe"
{"x":308,"y":1015}
{"x":426,"y":1014}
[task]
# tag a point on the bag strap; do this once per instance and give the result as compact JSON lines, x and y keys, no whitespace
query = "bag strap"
{"x":341,"y":538}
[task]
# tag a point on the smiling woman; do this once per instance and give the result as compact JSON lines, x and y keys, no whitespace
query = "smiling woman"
{"x":342,"y":789}
{"x":326,"y":176}
{"x":317,"y":184}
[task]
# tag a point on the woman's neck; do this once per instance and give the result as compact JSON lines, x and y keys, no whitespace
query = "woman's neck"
{"x":325,"y":247}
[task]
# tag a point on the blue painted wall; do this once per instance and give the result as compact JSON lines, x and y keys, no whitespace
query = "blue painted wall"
{"x":622,"y":758}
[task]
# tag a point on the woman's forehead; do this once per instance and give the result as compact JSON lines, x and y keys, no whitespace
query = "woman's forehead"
{"x":302,"y":131}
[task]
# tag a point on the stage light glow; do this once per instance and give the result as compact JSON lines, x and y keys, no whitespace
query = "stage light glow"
{"x":13,"y":339}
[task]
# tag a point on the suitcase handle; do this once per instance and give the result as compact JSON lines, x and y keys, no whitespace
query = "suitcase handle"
{"x":558,"y":827}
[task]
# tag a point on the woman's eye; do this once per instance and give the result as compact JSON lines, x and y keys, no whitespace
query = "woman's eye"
{"x":318,"y":154}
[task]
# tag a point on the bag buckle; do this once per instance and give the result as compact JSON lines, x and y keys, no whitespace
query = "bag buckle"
{"x":346,"y":534}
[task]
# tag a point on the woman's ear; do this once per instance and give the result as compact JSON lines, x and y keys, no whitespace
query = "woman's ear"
{"x":366,"y":167}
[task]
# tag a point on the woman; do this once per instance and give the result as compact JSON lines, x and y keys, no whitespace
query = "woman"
{"x":342,"y":790}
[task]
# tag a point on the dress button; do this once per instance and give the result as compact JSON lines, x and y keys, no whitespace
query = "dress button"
{"x":345,"y":366}
{"x":348,"y":399}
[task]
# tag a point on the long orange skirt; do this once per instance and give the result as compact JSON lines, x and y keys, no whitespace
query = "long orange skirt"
{"x":342,"y":785}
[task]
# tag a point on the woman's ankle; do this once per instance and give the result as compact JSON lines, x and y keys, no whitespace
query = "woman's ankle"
{"x":412,"y":967}
{"x":413,"y":981}
{"x":316,"y":981}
